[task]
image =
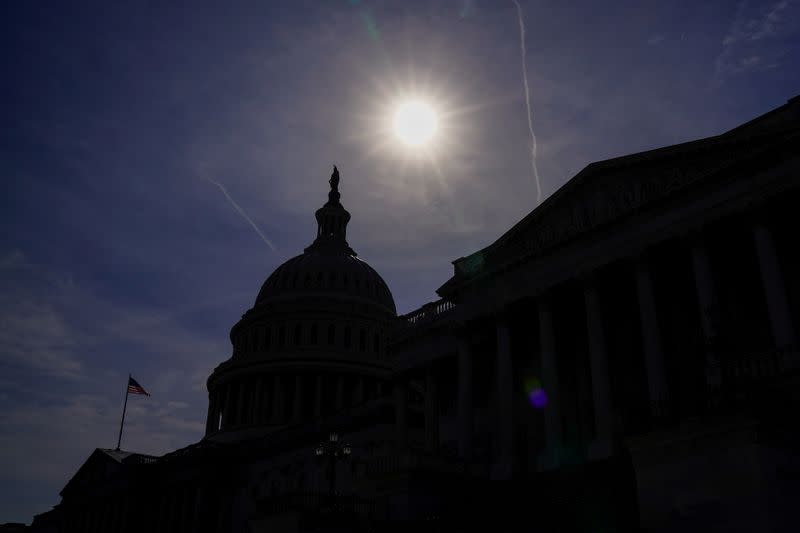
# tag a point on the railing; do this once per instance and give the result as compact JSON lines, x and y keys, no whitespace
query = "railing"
{"x":407,"y":462}
{"x":428,"y":312}
{"x":305,"y":502}
{"x":750,"y":367}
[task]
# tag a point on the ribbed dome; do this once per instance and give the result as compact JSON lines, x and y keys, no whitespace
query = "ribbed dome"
{"x":333,"y":273}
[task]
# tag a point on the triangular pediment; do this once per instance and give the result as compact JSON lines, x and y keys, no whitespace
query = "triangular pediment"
{"x":102,"y":464}
{"x":97,"y":466}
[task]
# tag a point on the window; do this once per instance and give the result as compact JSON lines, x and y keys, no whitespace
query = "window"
{"x":282,"y":336}
{"x":313,"y":334}
{"x":377,"y":344}
{"x":331,"y":333}
{"x":297,"y":335}
{"x":362,"y":340}
{"x":267,"y":339}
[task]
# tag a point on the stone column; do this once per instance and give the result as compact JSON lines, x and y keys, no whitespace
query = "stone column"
{"x":277,"y":402}
{"x":227,"y":407}
{"x":258,"y":402}
{"x":464,"y":399}
{"x":706,"y":300}
{"x":651,"y":337}
{"x":340,"y":393}
{"x":358,"y":394}
{"x":504,"y":402}
{"x":318,"y":397}
{"x":552,"y":417}
{"x":400,"y":406}
{"x":249,"y":406}
{"x":780,"y":317}
{"x":210,"y":416}
{"x":237,"y":409}
{"x":297,"y":408}
{"x":218,"y":406}
{"x":431,"y":411}
{"x":269,"y":398}
{"x":601,"y":446}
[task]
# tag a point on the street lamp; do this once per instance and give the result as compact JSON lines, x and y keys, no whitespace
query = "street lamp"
{"x":332,"y":450}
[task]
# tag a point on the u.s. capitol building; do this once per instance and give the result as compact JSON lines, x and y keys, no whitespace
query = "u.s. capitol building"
{"x":624,"y":358}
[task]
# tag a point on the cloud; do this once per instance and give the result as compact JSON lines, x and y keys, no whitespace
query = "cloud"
{"x":65,"y":350}
{"x":36,"y":335}
{"x":753,"y":39}
{"x":11,"y":260}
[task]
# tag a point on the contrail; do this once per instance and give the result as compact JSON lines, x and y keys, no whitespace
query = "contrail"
{"x":528,"y":102}
{"x":244,"y":215}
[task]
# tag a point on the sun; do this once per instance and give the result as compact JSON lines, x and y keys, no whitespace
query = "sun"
{"x":415,"y":123}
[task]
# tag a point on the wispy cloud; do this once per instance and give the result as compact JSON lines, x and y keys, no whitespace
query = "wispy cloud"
{"x":243,"y":214}
{"x":64,"y":353}
{"x":36,"y":335}
{"x":751,"y":42}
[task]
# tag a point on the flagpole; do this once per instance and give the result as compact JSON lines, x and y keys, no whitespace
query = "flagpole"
{"x":124,"y":408}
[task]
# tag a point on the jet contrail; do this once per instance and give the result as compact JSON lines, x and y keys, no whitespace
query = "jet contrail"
{"x":528,"y":102}
{"x":244,"y":215}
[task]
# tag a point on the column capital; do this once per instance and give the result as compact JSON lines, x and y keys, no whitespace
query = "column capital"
{"x":696,"y":234}
{"x":587,"y":277}
{"x":545,"y":299}
{"x":757,"y":208}
{"x":502,"y":316}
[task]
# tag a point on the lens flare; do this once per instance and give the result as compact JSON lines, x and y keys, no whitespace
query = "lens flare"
{"x":536,"y":395}
{"x":415,"y":123}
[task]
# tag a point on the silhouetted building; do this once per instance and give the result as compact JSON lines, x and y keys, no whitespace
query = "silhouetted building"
{"x":623,"y":357}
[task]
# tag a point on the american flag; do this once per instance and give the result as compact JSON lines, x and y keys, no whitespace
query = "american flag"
{"x":135,"y":388}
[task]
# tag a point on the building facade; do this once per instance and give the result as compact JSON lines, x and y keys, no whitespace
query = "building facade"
{"x":625,"y":358}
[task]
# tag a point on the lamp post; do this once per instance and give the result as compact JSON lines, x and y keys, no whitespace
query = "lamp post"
{"x":331,"y":450}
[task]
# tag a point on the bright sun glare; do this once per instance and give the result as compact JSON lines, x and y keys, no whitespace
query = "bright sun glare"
{"x":415,"y":123}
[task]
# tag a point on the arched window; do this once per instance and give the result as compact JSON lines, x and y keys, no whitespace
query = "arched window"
{"x":332,"y":279}
{"x":282,"y":336}
{"x":376,"y":344}
{"x":295,"y":280}
{"x":331,"y":333}
{"x":347,"y":332}
{"x":297,"y":335}
{"x":307,"y":283}
{"x":319,"y":279}
{"x":362,"y":340}
{"x":312,"y":335}
{"x":267,"y":339}
{"x":344,"y":280}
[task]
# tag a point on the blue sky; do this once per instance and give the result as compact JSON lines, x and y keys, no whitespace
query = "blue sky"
{"x":119,"y":254}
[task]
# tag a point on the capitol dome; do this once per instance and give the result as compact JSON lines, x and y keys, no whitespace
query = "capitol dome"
{"x":314,"y":341}
{"x":332,"y":273}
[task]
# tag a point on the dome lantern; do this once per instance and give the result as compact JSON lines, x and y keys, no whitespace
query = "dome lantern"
{"x":332,"y":219}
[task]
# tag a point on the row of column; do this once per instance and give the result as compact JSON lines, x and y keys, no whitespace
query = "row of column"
{"x":779,"y":317}
{"x":263,"y":404}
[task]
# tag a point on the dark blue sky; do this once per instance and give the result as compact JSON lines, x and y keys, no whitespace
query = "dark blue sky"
{"x":120,"y":255}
